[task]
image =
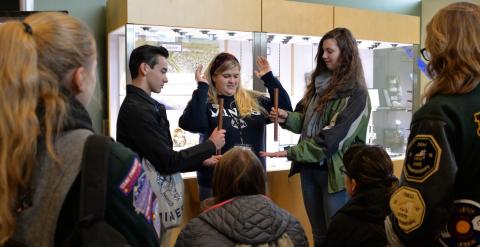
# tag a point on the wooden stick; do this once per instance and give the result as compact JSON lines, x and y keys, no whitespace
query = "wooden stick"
{"x":275,"y":125}
{"x":220,"y":119}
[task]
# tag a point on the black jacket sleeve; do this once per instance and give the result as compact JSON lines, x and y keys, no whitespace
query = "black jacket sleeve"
{"x":156,"y":145}
{"x":346,"y":231}
{"x":283,"y":99}
{"x":423,"y":202}
{"x":195,"y":115}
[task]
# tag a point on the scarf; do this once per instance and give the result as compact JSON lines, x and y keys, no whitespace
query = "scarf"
{"x":312,"y":122}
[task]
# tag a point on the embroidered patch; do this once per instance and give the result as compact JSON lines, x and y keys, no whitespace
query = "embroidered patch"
{"x":422,"y":159}
{"x":143,"y":197}
{"x":157,"y":223}
{"x":476,"y":118}
{"x":463,"y":228}
{"x":408,"y":207}
{"x":128,"y":182}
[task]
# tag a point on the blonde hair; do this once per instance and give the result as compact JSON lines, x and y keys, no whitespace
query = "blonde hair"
{"x":37,"y":57}
{"x":453,"y":40}
{"x":246,"y":100}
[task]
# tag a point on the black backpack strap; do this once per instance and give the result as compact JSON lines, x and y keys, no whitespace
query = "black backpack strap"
{"x":92,"y":229}
{"x":94,"y":176}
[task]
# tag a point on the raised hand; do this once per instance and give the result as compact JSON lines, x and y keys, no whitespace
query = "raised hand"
{"x":263,"y":66}
{"x":199,"y":76}
{"x":282,"y":115}
{"x":212,"y":161}
{"x":274,"y":154}
{"x":218,"y":138}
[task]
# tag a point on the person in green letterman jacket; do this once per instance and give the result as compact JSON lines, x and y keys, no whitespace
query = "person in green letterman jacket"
{"x":438,"y":201}
{"x":332,"y":116}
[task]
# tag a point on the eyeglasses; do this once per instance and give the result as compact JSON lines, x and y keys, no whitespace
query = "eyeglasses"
{"x":425,"y":54}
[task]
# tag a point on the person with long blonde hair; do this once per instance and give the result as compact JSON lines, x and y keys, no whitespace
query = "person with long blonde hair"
{"x":438,"y":201}
{"x":245,"y":111}
{"x":47,"y":76}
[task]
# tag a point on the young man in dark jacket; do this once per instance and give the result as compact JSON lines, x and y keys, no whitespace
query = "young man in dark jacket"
{"x":142,"y":122}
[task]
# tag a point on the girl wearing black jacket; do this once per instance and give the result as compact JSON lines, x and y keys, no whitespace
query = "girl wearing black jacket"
{"x":369,"y":180}
{"x":245,"y":111}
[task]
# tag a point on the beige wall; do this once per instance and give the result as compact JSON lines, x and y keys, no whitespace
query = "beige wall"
{"x":92,"y":12}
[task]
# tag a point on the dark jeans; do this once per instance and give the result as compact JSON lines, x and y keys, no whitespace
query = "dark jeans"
{"x":319,"y":204}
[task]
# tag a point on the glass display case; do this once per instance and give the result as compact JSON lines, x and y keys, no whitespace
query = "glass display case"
{"x":391,"y":75}
{"x":390,"y":71}
{"x":188,"y":47}
{"x":395,"y":84}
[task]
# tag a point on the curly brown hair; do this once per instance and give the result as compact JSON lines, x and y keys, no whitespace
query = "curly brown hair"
{"x":453,"y":41}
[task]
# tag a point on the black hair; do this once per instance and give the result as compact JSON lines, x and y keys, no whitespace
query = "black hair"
{"x":369,"y":165}
{"x":145,"y":54}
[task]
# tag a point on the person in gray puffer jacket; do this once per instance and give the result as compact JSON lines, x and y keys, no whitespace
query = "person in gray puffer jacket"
{"x":241,"y":214}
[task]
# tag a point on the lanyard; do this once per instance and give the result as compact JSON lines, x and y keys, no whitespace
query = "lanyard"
{"x":237,"y":121}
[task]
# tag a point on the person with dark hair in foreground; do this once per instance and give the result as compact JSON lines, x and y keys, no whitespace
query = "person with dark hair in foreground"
{"x":240,"y":213}
{"x":369,"y":180}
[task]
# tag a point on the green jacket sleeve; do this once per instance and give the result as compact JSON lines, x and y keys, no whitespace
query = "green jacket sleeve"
{"x":294,"y":122}
{"x":347,"y":123}
{"x":307,"y":151}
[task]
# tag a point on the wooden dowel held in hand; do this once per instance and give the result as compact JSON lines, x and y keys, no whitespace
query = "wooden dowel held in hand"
{"x":220,"y":119}
{"x":275,"y":125}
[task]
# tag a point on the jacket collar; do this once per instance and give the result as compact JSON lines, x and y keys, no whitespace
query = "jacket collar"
{"x":134,"y":90}
{"x":369,"y":203}
{"x":77,"y":116}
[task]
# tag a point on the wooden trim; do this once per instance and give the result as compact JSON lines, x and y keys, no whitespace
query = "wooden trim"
{"x":236,"y":15}
{"x":289,"y":17}
{"x":116,"y":14}
{"x":381,"y":26}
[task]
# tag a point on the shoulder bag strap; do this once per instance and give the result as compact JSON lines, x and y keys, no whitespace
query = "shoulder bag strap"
{"x":94,"y":176}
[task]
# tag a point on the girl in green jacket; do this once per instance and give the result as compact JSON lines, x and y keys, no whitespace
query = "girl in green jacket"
{"x":332,"y":115}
